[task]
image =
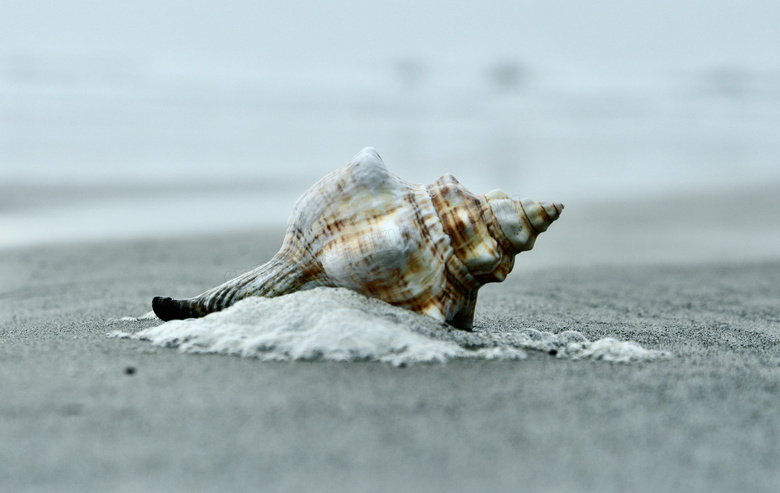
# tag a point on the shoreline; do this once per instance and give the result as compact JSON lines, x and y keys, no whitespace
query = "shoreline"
{"x":707,"y":225}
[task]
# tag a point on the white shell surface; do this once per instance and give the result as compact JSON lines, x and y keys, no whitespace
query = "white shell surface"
{"x":376,"y":234}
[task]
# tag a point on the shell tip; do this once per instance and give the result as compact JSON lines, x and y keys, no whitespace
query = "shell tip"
{"x":166,"y":308}
{"x":372,"y":152}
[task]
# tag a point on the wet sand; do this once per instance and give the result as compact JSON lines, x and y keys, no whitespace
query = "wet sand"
{"x":80,"y":411}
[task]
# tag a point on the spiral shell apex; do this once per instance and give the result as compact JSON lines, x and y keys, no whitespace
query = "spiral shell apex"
{"x":425,"y":248}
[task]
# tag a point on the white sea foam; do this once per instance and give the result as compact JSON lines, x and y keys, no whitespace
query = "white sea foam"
{"x":145,"y":316}
{"x":341,"y":325}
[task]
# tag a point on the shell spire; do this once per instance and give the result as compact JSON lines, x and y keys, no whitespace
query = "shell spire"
{"x":425,"y":248}
{"x":521,"y":221}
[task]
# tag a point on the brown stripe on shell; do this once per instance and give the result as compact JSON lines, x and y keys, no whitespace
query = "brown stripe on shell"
{"x":461,"y":215}
{"x":494,"y":227}
{"x":527,"y":221}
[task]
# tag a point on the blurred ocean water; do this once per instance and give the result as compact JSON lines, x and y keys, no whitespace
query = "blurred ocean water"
{"x":90,"y":151}
{"x":128,"y":124}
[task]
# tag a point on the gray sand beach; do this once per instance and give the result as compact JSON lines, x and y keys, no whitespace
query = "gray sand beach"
{"x":84,"y":412}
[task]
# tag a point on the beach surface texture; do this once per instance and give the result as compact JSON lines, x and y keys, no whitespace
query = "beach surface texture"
{"x":89,"y":406}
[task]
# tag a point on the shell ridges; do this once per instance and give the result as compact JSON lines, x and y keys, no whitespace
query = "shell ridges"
{"x":361,"y":227}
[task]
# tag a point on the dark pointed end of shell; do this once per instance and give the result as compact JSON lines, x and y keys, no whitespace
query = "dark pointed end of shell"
{"x":167,"y":308}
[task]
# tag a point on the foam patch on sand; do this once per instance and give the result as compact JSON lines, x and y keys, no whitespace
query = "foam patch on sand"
{"x":146,"y":316}
{"x":341,"y":325}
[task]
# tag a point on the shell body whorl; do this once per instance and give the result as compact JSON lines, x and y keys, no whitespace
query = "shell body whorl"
{"x":425,"y":248}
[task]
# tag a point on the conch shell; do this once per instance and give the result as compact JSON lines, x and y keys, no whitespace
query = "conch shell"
{"x":425,"y":248}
